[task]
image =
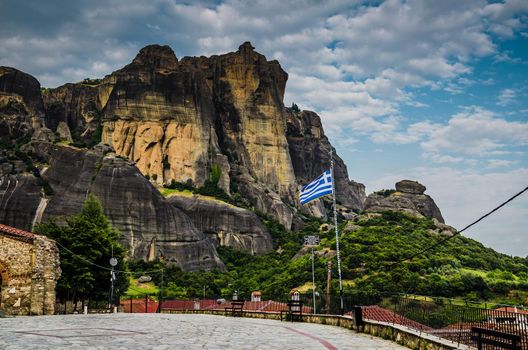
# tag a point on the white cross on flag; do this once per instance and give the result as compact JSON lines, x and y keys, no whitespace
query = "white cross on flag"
{"x":317,"y":188}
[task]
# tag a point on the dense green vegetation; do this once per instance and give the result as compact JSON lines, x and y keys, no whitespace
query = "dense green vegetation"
{"x":90,"y":240}
{"x":210,"y":188}
{"x":91,"y":82}
{"x":461,"y":267}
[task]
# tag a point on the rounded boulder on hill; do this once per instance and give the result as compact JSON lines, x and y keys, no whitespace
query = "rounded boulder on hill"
{"x":409,"y":186}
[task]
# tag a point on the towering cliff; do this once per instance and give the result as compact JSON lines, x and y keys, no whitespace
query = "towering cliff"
{"x":21,"y":106}
{"x":169,"y":120}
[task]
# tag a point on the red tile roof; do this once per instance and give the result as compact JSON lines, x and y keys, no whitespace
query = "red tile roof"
{"x":378,"y":313}
{"x":512,"y":309}
{"x":16,"y":232}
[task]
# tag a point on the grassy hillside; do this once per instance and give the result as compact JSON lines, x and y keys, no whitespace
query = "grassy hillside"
{"x":461,"y":267}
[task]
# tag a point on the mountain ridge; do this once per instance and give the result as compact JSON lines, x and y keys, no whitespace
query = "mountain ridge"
{"x":174,"y":121}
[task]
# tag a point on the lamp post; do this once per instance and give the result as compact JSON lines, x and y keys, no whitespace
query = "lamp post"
{"x":113,"y":263}
{"x":312,"y":241}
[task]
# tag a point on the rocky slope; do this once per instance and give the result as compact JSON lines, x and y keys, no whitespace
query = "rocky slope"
{"x":225,"y":224}
{"x":409,"y":197}
{"x":164,"y":120}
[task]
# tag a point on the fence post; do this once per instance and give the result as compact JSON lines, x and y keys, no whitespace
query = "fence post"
{"x":146,"y":303}
{"x":358,"y":316}
{"x":460,"y":328}
{"x":130,"y":304}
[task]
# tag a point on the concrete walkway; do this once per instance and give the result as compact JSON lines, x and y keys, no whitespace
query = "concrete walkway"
{"x":176,"y":331}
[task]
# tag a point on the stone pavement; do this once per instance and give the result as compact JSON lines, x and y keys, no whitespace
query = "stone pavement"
{"x":176,"y":331}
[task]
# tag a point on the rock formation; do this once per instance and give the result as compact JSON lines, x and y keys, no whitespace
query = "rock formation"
{"x":409,"y":197}
{"x":225,"y":224}
{"x":178,"y":119}
{"x":165,"y":120}
{"x":21,"y":107}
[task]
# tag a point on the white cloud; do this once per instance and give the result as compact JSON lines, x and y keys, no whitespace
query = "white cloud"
{"x":506,"y":97}
{"x":500,"y":163}
{"x":437,"y":158}
{"x":475,"y":132}
{"x":503,"y":16}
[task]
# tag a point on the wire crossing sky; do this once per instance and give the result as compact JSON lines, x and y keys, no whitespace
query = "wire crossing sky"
{"x":433,"y":91}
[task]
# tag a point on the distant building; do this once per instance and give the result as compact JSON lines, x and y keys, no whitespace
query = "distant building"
{"x":509,"y":315}
{"x":29,"y":270}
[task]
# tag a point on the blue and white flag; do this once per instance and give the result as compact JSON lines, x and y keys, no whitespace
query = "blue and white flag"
{"x":317,"y":188}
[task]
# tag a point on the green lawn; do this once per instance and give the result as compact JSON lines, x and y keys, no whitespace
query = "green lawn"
{"x":139,"y":290}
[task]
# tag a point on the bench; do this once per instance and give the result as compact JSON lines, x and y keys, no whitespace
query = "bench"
{"x":499,"y":339}
{"x":235,"y":308}
{"x":294,"y":310}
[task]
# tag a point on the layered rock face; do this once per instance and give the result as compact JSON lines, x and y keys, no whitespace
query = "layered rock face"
{"x":21,"y":107}
{"x":160,"y":117}
{"x":310,"y":151}
{"x":73,"y":111}
{"x":409,"y":197}
{"x":147,"y":222}
{"x":225,"y":224}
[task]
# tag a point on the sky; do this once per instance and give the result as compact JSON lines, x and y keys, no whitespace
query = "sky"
{"x":433,"y":91}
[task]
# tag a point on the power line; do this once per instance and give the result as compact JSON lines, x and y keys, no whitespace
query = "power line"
{"x":458,"y":232}
{"x":104,"y":267}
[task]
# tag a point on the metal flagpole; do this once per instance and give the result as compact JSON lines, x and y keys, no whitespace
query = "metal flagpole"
{"x":336,"y":231}
{"x":313,"y":283}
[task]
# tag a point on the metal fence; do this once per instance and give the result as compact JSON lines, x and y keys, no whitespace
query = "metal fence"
{"x":448,"y":319}
{"x":71,"y":307}
{"x":443,"y":318}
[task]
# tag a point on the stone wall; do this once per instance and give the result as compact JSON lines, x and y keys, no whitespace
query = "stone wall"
{"x":30,"y":270}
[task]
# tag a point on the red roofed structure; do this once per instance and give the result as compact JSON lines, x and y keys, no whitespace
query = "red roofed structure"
{"x":377,"y":313}
{"x":12,"y":231}
{"x":29,"y":270}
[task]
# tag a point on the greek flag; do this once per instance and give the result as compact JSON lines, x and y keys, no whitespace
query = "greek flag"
{"x":317,"y":188}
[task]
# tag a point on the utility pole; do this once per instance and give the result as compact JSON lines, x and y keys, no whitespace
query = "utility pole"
{"x":328,"y":280}
{"x":161,"y":293}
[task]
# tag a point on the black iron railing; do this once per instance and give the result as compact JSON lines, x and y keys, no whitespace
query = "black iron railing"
{"x":448,"y":319}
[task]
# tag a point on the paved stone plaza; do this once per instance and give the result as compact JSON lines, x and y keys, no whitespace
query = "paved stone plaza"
{"x":176,"y":331}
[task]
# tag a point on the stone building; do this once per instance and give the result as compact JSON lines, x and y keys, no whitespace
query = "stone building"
{"x":29,"y":270}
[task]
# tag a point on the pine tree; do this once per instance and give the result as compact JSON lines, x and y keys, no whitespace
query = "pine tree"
{"x":89,"y":239}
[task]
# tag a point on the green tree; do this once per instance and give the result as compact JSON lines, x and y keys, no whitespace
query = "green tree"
{"x":85,"y":247}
